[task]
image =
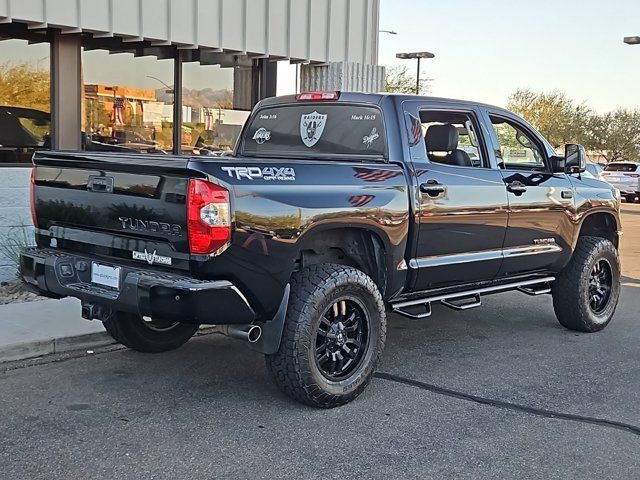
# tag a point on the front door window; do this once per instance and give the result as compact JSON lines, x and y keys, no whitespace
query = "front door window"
{"x":518,"y":149}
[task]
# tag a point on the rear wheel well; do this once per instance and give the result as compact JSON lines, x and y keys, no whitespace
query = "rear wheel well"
{"x":352,"y":247}
{"x":601,"y":225}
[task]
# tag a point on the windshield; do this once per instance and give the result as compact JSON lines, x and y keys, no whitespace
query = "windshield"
{"x":621,"y":167}
{"x":315,"y":129}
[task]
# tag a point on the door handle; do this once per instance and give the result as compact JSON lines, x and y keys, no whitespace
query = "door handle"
{"x":516,"y":187}
{"x":432,"y":188}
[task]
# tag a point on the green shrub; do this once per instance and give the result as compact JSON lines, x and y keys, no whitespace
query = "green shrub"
{"x":16,"y":239}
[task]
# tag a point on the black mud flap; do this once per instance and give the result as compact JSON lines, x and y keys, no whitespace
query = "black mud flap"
{"x":269,"y":341}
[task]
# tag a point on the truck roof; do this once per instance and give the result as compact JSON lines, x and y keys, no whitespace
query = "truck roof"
{"x":377,"y":98}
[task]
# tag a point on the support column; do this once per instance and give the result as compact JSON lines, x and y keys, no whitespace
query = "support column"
{"x":252,"y":84}
{"x":268,"y":77}
{"x":177,"y":102}
{"x":343,"y":76}
{"x":66,"y":91}
{"x":243,"y":88}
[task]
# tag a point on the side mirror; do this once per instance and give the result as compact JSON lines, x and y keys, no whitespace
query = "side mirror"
{"x":575,"y":158}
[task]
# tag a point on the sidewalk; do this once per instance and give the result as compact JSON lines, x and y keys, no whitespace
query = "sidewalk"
{"x":42,"y":327}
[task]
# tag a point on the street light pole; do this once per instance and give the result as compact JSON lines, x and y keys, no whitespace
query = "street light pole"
{"x":158,"y":80}
{"x":377,"y":53}
{"x":419,"y":56}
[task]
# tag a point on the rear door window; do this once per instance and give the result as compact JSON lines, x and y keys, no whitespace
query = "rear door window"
{"x":315,"y":130}
{"x":621,"y":167}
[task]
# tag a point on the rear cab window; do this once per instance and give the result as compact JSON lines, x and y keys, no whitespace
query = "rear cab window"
{"x":315,"y":130}
{"x":621,"y":167}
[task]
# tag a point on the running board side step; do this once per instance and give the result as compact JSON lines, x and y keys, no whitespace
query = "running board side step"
{"x":470,"y":298}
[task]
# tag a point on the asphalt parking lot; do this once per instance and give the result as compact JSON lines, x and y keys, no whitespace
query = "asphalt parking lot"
{"x":497,"y":392}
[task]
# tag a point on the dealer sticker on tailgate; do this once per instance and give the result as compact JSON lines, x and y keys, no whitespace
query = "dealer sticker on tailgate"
{"x":105,"y":275}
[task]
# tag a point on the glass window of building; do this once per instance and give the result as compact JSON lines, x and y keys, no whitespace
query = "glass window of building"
{"x":127,"y":102}
{"x":211,"y":125}
{"x":25,"y":101}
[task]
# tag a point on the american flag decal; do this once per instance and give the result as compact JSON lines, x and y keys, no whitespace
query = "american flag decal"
{"x":375,"y":174}
{"x":117,"y":116}
{"x":360,"y":200}
{"x":209,"y":118}
{"x":415,"y":130}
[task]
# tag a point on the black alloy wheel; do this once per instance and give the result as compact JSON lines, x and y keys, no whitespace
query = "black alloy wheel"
{"x":341,"y":338}
{"x":600,"y":284}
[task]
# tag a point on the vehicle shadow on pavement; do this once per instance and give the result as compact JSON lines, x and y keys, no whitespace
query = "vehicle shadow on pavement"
{"x":513,"y":348}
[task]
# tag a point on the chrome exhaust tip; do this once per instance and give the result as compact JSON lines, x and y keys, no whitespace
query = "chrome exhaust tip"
{"x":254,"y":333}
{"x":248,"y":333}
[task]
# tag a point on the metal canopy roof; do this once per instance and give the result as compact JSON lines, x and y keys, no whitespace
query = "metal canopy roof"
{"x":314,"y":31}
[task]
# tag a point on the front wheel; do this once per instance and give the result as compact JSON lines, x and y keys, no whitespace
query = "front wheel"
{"x":333,"y":336}
{"x":585,"y":294}
{"x":147,"y":335}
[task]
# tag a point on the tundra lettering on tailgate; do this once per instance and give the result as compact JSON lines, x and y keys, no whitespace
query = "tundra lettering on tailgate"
{"x":150,"y":226}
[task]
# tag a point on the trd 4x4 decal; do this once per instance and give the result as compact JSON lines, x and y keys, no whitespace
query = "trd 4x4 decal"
{"x":286,"y":174}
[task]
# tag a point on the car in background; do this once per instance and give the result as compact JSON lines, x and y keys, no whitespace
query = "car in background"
{"x":22,"y":131}
{"x":625,"y":176}
{"x":121,"y":141}
{"x":128,"y":136}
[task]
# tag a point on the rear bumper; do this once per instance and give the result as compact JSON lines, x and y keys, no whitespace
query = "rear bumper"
{"x":143,"y":292}
{"x":626,"y":187}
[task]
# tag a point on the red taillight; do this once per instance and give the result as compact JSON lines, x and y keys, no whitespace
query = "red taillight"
{"x":32,"y":197}
{"x":208,"y":217}
{"x":632,"y":175}
{"x":314,"y":96}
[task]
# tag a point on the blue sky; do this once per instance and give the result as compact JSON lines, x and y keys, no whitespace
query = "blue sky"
{"x":486,"y":49}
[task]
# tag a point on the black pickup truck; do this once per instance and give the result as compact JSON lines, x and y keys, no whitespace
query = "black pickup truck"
{"x":334,"y":209}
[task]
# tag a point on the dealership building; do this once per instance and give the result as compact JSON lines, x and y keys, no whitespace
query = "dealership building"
{"x":160,"y":76}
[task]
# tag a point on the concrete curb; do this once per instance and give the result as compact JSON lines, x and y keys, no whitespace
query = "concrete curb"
{"x":43,"y":327}
{"x":39,"y":348}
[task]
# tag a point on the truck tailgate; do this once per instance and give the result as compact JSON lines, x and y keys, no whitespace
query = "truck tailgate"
{"x":129,"y":207}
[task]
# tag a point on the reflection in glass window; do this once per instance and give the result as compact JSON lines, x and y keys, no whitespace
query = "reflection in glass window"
{"x":210,"y":123}
{"x":517,"y":148}
{"x":25,"y":103}
{"x":127,"y":103}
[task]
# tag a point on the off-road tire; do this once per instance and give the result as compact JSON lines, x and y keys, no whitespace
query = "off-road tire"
{"x":132,"y":331}
{"x":294,"y":367}
{"x":571,"y":297}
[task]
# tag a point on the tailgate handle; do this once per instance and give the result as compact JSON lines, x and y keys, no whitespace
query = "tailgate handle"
{"x":98,"y":183}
